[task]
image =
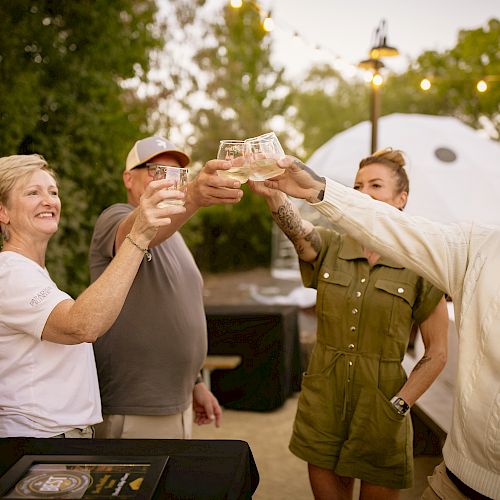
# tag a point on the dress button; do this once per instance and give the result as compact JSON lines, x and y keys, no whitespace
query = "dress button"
{"x":350,"y":363}
{"x":401,"y":290}
{"x":354,"y":311}
{"x":326,"y":275}
{"x":358,"y":294}
{"x":353,"y":328}
{"x":363,"y":280}
{"x":351,"y":346}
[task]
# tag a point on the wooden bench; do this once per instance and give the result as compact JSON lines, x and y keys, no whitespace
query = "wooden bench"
{"x":218,"y":362}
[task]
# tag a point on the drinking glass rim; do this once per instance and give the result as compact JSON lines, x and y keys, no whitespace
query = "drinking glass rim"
{"x":158,"y":165}
{"x":268,"y":136}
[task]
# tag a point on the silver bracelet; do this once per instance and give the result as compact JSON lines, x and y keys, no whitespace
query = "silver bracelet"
{"x":145,"y":251}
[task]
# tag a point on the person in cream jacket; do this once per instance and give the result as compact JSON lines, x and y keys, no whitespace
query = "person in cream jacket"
{"x":462,"y":259}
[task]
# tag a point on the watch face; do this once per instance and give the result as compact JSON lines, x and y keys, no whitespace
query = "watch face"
{"x":401,"y":405}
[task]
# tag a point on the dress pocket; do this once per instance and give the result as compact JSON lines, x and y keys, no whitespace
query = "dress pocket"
{"x":378,"y":433}
{"x":316,"y":400}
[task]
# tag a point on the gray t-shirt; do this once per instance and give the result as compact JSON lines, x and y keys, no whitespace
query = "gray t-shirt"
{"x":148,"y":361}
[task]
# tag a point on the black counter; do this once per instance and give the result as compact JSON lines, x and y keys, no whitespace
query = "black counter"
{"x":196,"y":469}
{"x":267,"y":339}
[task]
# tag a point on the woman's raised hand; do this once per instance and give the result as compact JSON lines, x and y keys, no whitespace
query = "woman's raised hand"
{"x":298,"y":180}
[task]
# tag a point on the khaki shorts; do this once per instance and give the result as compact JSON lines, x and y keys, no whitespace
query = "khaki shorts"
{"x":441,"y":486}
{"x":177,"y":426}
{"x":85,"y":433}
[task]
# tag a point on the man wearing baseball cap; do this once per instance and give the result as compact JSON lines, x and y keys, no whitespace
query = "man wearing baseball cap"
{"x":149,"y":364}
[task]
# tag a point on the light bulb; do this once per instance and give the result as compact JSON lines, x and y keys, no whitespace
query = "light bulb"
{"x":481,"y":86}
{"x":268,"y":24}
{"x":377,"y":80}
{"x":425,"y":84}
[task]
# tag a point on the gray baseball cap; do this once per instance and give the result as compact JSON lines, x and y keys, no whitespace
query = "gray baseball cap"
{"x":148,"y":148}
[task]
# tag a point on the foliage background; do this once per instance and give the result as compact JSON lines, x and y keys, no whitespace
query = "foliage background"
{"x":81,"y":81}
{"x":61,"y":71}
{"x":233,"y":72}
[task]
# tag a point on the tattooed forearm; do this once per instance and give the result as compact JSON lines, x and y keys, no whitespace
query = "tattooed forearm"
{"x":289,"y":221}
{"x":299,"y":247}
{"x":301,"y":233}
{"x":421,"y":363}
{"x":314,"y":239}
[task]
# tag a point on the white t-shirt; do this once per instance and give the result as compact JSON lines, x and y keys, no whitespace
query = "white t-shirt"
{"x":45,"y":388}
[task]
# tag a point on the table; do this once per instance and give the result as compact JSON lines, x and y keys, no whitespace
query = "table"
{"x":197,"y":469}
{"x":267,"y":339}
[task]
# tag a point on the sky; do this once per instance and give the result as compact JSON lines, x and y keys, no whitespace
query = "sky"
{"x":340,"y":32}
{"x":343,"y":29}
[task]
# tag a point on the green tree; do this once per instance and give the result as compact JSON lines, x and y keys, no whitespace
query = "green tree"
{"x":241,"y":83}
{"x":63,"y":73}
{"x":327,"y":104}
{"x":233,"y":92}
{"x":453,"y":75}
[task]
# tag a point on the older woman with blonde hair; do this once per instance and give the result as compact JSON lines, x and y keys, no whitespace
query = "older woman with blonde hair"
{"x":48,"y":380}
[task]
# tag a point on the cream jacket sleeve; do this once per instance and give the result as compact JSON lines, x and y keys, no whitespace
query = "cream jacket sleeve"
{"x":438,"y":252}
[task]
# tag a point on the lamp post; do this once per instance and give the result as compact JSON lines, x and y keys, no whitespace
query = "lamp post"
{"x":379,"y":49}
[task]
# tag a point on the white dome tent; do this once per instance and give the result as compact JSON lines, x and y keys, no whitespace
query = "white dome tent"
{"x":454,"y":171}
{"x":454,"y":176}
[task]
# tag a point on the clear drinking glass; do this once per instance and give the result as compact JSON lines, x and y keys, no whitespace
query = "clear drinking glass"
{"x":179,"y":177}
{"x":263,"y":152}
{"x":234,"y":151}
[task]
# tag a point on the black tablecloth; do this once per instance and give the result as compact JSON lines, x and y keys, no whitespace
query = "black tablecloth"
{"x":197,"y":469}
{"x":267,"y":339}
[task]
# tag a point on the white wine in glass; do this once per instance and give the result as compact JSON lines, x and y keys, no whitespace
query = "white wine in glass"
{"x":234,"y":151}
{"x":179,"y":177}
{"x":264,"y":152}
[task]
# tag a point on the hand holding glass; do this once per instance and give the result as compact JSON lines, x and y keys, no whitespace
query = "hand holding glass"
{"x":263,"y":152}
{"x":179,"y":177}
{"x":234,"y":151}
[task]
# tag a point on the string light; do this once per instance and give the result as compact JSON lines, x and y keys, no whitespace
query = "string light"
{"x":425,"y":84}
{"x":268,"y":24}
{"x":482,"y":86}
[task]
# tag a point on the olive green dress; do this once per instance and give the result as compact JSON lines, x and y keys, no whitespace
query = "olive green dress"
{"x":345,"y":421}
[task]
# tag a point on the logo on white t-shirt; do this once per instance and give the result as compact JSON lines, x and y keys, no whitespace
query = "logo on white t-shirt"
{"x":41,"y":296}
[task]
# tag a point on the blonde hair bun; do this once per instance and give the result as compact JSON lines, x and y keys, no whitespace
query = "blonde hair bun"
{"x":396,"y":156}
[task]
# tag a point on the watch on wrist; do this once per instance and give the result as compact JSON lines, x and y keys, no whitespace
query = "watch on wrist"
{"x":199,"y":379}
{"x":401,"y":405}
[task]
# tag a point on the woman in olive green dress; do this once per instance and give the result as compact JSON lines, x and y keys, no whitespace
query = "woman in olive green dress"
{"x":353,"y":412}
